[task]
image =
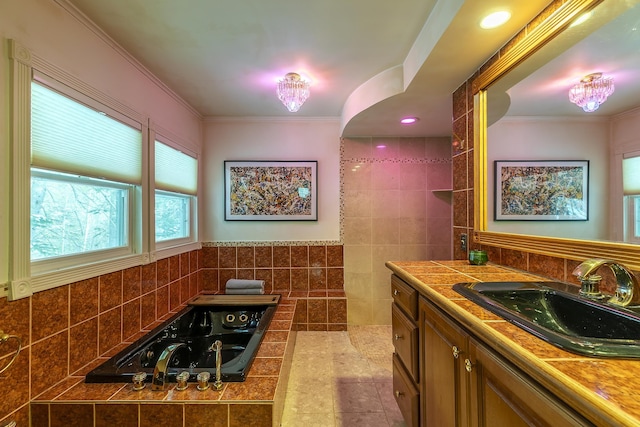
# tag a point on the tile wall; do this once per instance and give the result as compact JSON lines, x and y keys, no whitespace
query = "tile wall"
{"x":312,"y":273}
{"x":391,"y":211}
{"x":65,"y":328}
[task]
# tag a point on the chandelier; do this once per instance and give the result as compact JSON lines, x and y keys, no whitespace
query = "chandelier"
{"x":293,"y":91}
{"x":592,"y":91}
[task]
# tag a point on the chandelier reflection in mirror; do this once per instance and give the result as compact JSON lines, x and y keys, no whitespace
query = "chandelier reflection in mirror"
{"x":592,"y":91}
{"x":293,"y":91}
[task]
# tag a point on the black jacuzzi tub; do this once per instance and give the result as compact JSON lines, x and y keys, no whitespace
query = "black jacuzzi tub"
{"x":239,"y":321}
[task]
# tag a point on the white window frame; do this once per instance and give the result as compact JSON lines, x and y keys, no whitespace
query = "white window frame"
{"x":167,"y":248}
{"x":22,"y":281}
{"x":630,"y":218}
{"x":160,"y":244}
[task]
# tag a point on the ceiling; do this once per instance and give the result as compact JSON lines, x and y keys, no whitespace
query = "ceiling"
{"x":370,"y":62}
{"x":609,"y":43}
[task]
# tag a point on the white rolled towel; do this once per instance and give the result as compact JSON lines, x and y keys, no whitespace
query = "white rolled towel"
{"x":244,"y":284}
{"x":246,"y":291}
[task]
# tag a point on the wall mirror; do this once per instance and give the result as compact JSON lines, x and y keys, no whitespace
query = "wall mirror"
{"x":523,"y":114}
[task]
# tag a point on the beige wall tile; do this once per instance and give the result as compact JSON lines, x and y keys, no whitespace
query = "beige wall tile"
{"x":385,"y":204}
{"x":358,"y":285}
{"x":357,"y":176}
{"x":413,"y":252}
{"x":413,"y":204}
{"x":357,"y":259}
{"x":413,"y":176}
{"x":357,"y":231}
{"x":385,"y":176}
{"x":355,"y":148}
{"x":381,"y":314}
{"x":385,"y":231}
{"x":357,"y":203}
{"x":388,"y":207}
{"x":412,"y":148}
{"x":359,"y":312}
{"x":385,"y":148}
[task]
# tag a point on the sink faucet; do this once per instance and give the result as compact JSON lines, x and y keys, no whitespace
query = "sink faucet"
{"x":162,"y":366}
{"x":627,"y":291}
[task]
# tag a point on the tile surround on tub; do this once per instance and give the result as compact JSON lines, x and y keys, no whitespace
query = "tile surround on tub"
{"x":258,"y":401}
{"x":94,"y":317}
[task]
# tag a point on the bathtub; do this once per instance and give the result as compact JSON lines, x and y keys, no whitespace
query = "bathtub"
{"x":238,"y":321}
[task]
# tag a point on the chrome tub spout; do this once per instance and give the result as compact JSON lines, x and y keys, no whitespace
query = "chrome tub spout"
{"x":159,"y":381}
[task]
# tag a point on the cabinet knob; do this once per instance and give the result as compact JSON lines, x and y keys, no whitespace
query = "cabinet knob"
{"x":456,"y":352}
{"x":398,"y":337}
{"x":395,"y":292}
{"x":398,"y":393}
{"x":468,"y":365}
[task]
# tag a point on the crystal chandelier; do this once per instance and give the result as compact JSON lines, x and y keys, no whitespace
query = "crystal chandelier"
{"x":293,"y":91}
{"x":592,"y":91}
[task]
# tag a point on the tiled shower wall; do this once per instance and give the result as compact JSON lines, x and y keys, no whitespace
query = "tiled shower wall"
{"x":464,"y":185}
{"x":397,"y":206}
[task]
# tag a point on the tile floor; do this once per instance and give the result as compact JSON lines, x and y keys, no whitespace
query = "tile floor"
{"x":342,"y":379}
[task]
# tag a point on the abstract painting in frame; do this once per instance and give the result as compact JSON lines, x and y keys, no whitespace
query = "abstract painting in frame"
{"x":271,"y":190}
{"x":542,"y":190}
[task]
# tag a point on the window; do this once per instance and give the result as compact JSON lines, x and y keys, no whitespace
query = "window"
{"x":176,"y":183}
{"x":86,"y":164}
{"x":632,"y":218}
{"x":631,"y":188}
{"x":173,"y":212}
{"x":72,"y":215}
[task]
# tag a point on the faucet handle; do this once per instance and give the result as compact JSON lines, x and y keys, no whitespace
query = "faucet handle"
{"x":203,"y":380}
{"x":590,"y":286}
{"x":182,"y":379}
{"x":138,"y":380}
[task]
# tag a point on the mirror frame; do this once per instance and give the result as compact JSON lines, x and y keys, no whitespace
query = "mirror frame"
{"x":515,"y":52}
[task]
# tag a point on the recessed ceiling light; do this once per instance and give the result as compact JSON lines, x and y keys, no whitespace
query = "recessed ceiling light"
{"x":409,"y":120}
{"x":495,"y":19}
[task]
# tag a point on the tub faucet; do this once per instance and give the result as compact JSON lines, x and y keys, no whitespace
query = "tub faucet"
{"x":217,"y":347}
{"x":627,"y":290}
{"x":162,"y":366}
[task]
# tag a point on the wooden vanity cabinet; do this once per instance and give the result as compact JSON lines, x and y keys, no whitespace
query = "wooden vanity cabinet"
{"x":404,"y":315}
{"x":501,"y":395}
{"x":467,"y":384}
{"x":445,"y":382}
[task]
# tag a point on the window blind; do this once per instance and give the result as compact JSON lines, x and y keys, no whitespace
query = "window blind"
{"x":631,"y":175}
{"x":67,"y":136}
{"x":175,"y":171}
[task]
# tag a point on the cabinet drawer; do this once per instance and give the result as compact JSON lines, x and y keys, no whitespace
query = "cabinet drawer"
{"x":405,"y":296}
{"x":406,"y":394}
{"x":405,"y":340}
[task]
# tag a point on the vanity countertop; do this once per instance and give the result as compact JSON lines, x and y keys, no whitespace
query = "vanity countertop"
{"x":608,"y":390}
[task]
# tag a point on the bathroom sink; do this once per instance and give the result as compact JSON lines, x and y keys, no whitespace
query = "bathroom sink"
{"x":552,"y":312}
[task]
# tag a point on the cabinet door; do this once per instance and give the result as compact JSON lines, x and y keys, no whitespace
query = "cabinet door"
{"x":405,"y":341}
{"x":406,"y":394}
{"x":444,"y":387}
{"x":502,"y":396}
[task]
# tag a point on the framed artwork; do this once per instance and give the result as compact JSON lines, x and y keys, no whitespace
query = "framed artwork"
{"x":270,"y":190}
{"x":542,"y":190}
